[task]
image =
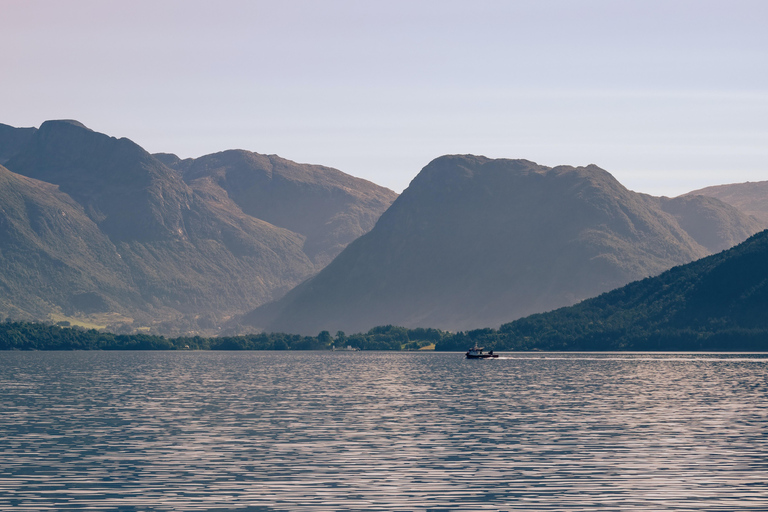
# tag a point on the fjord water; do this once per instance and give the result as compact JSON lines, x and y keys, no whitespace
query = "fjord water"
{"x":326,"y":431}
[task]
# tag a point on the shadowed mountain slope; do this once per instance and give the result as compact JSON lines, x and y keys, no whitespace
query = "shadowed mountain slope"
{"x":714,"y":225}
{"x":716,"y":303}
{"x":12,"y":140}
{"x":326,"y":206}
{"x":187,"y":254}
{"x":127,"y":192}
{"x":750,"y":197}
{"x":53,"y":256}
{"x":475,"y":242}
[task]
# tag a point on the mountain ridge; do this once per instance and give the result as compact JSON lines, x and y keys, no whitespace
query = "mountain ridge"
{"x":189,"y":254}
{"x":715,"y":303}
{"x":40,"y":224}
{"x":327,"y":207}
{"x":12,"y":140}
{"x":749,"y":197}
{"x":463,"y":248}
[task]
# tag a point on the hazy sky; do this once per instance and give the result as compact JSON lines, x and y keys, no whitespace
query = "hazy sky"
{"x":668,"y":95}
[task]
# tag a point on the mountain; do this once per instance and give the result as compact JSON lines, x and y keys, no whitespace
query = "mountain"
{"x":324,"y":205}
{"x":712,"y":223}
{"x":750,"y":197}
{"x":474,"y":242}
{"x":188,"y":255}
{"x":716,"y":303}
{"x":53,"y":256}
{"x":12,"y":140}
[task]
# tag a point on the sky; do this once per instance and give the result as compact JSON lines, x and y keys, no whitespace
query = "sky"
{"x":668,"y":96}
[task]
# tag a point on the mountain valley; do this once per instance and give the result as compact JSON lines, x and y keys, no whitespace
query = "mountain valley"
{"x":115,"y":237}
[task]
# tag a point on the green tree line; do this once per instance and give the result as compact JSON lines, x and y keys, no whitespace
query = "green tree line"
{"x":563,"y":330}
{"x":41,"y":336}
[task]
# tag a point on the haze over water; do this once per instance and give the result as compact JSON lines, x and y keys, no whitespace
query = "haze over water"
{"x":324,"y":431}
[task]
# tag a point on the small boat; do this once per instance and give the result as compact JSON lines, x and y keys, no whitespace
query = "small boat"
{"x":477,"y":353}
{"x":348,"y":348}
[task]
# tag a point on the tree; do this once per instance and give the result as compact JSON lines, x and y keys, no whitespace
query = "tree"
{"x":324,"y":338}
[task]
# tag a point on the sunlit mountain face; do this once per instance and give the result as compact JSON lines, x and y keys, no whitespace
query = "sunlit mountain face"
{"x":101,"y":232}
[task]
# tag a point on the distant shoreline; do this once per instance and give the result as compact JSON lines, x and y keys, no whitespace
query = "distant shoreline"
{"x":32,"y":336}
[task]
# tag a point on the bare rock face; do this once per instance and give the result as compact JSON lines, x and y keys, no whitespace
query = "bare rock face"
{"x":475,"y":242}
{"x":177,"y":245}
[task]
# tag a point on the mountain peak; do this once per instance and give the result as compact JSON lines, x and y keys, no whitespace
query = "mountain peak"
{"x":283,"y":193}
{"x":63,"y":122}
{"x":112,"y":233}
{"x":475,"y":241}
{"x":13,"y":140}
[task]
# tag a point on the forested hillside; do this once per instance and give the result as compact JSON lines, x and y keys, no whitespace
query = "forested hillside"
{"x":717,"y":303}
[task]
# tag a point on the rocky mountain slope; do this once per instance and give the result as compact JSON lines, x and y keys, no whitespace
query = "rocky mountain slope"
{"x":327,"y":207}
{"x":750,"y":197}
{"x":475,"y":242}
{"x":51,"y":252}
{"x":171,"y":255}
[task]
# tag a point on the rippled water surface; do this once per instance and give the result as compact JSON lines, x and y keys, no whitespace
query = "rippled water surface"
{"x":259,"y":431}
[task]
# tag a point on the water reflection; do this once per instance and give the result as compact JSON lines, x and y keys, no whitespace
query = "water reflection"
{"x":381,"y":431}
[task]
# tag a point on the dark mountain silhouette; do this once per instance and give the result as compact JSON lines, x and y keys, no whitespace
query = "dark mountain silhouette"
{"x":750,"y":197}
{"x":716,"y":303}
{"x":188,"y":256}
{"x":475,"y":242}
{"x":12,"y":140}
